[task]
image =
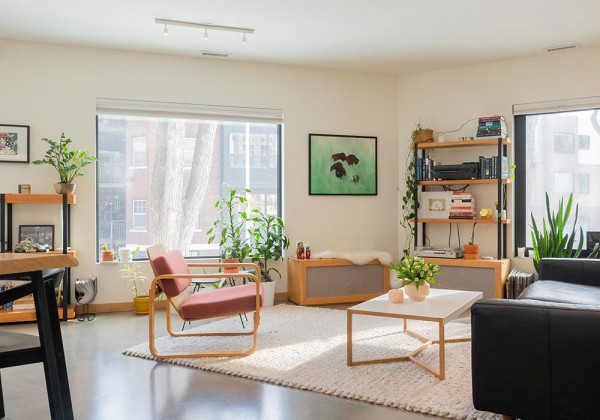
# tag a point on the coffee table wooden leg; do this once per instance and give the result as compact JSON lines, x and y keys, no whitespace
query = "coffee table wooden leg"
{"x":442,"y":343}
{"x":349,"y":338}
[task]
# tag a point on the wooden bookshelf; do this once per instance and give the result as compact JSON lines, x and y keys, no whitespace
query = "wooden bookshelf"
{"x":463,"y":143}
{"x":464,"y":181}
{"x":38,"y":199}
{"x":27,"y":315}
{"x":466,"y":221}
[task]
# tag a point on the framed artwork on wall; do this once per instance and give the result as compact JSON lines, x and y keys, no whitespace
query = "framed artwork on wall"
{"x":14,"y":143}
{"x":342,"y":165}
{"x":38,"y":234}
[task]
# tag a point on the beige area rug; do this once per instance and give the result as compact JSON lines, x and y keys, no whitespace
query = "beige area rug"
{"x":303,"y":347}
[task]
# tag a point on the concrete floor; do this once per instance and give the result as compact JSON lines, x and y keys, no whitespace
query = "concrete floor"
{"x":105,"y":384}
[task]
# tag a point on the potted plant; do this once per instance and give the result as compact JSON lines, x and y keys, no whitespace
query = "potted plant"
{"x":268,"y":244}
{"x":416,"y":276}
{"x":107,"y":253}
{"x":552,"y":240}
{"x":230,"y":226}
{"x":471,"y":249}
{"x":421,"y":134}
{"x":136,"y":279}
{"x":68,"y":163}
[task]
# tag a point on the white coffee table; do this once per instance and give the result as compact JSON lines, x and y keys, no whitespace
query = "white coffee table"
{"x":441,"y":306}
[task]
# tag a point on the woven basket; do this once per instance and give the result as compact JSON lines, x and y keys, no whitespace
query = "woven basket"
{"x":424,"y":136}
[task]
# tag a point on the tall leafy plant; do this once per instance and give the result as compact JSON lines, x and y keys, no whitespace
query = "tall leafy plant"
{"x":268,"y":241}
{"x":553,"y":240}
{"x":230,"y":225}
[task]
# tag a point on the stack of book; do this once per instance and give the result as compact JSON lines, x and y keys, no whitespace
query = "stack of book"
{"x":489,"y":167}
{"x":462,"y":205}
{"x":5,"y":285}
{"x":425,"y":169}
{"x":516,"y":282}
{"x":493,"y":126}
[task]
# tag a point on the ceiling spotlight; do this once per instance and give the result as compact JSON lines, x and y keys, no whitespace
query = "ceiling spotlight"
{"x":205,"y":33}
{"x":244,"y":38}
{"x":166,"y":30}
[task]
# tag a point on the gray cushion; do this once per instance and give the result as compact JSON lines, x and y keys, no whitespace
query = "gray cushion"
{"x":561,"y":292}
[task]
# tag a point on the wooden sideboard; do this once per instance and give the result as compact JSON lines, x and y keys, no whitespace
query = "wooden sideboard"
{"x":335,"y":280}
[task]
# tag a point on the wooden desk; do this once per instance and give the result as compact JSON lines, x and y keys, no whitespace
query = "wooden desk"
{"x":50,"y":351}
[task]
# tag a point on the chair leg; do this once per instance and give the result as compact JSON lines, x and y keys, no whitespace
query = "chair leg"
{"x":2,"y":414}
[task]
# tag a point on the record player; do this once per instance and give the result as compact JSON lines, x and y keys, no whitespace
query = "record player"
{"x":430,"y":252}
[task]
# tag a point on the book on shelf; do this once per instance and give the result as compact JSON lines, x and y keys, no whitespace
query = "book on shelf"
{"x":516,"y":282}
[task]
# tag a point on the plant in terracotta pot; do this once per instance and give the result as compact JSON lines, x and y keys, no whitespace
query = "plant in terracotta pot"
{"x":230,"y":227}
{"x":136,"y":279}
{"x":68,"y":163}
{"x":471,"y":249}
{"x":416,"y":276}
{"x":107,"y":253}
{"x":269,"y":242}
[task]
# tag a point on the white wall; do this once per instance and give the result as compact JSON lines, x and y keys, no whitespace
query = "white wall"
{"x":445,"y":99}
{"x":53,"y":89}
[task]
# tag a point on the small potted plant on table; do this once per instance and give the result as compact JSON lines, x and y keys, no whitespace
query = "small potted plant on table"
{"x":416,"y":275}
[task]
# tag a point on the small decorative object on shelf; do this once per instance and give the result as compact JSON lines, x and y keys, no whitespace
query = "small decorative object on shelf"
{"x":300,"y":250}
{"x":486,"y":214}
{"x":108,"y":254}
{"x":24,"y":188}
{"x":25,"y":246}
{"x":68,"y":163}
{"x":416,"y":275}
{"x":307,"y":252}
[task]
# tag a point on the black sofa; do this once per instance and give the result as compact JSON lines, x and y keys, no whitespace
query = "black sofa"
{"x":538,"y":357}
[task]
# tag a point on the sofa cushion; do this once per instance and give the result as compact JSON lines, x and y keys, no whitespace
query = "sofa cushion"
{"x":561,"y":292}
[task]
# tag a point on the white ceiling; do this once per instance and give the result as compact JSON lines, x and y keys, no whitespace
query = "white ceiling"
{"x":388,"y":36}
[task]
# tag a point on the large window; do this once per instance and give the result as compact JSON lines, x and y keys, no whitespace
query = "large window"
{"x":556,"y":153}
{"x":161,"y":167}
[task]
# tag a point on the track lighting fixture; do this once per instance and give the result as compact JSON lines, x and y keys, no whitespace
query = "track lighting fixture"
{"x":205,"y":26}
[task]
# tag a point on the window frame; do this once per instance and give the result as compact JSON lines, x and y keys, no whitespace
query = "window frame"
{"x":219,"y":113}
{"x":520,"y":182}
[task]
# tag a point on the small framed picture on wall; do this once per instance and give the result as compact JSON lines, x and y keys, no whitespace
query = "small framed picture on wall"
{"x":14,"y":143}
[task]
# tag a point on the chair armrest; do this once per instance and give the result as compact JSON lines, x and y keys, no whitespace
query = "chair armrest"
{"x":570,"y":270}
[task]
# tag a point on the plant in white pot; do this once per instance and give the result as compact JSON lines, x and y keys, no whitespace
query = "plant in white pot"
{"x":269,"y":242}
{"x":230,"y":227}
{"x":416,"y":275}
{"x":136,"y":279}
{"x":68,"y":163}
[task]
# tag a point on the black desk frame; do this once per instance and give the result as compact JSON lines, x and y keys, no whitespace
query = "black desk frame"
{"x":50,"y":352}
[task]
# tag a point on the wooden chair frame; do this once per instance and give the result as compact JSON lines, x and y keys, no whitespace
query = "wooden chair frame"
{"x":176,"y":302}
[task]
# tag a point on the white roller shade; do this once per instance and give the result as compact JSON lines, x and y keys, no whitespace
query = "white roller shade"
{"x":106,"y":106}
{"x":577,"y":104}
